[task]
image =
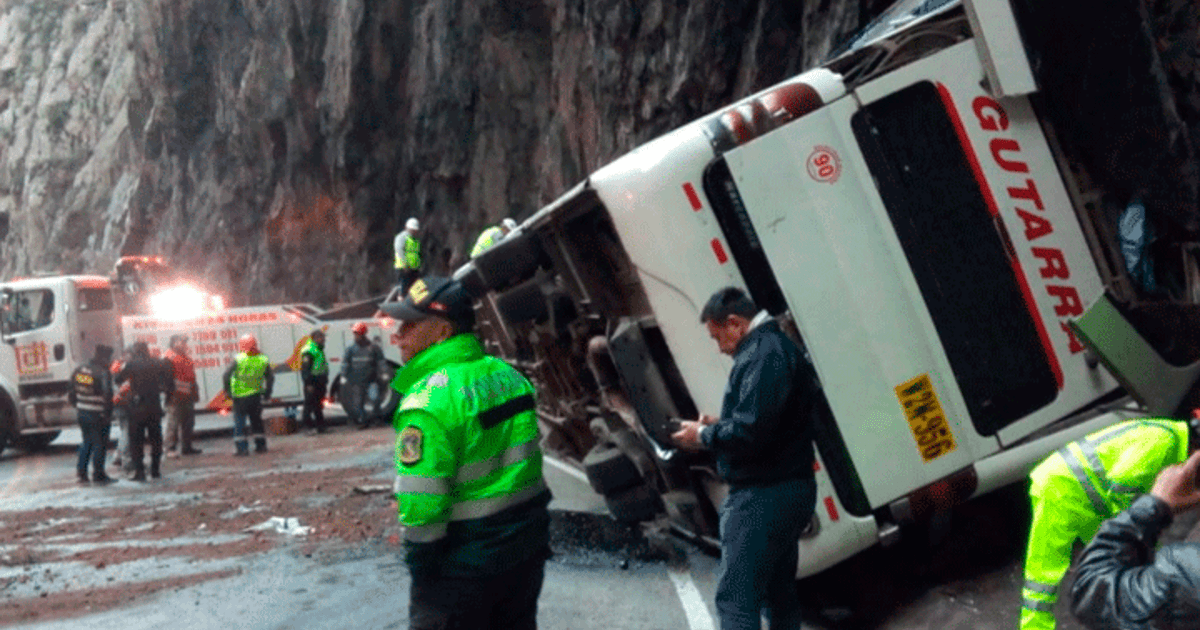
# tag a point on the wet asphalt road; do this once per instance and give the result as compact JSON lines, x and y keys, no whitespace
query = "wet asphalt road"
{"x":962,"y":573}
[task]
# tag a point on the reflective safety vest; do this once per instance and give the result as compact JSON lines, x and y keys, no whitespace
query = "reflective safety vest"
{"x":490,"y":237}
{"x":1077,"y":488}
{"x":249,"y":373}
{"x":92,"y":388}
{"x":408,"y":251}
{"x":467,"y":451}
{"x":319,"y":366}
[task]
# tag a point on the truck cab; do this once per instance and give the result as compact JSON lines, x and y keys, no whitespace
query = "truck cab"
{"x":49,"y":326}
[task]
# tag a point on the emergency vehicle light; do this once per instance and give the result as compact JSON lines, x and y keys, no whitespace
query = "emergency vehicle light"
{"x":749,"y":119}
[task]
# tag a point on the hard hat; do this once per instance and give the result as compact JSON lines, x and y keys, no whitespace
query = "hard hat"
{"x":248,"y":344}
{"x":359,"y":328}
{"x":509,"y":224}
{"x":412,"y":224}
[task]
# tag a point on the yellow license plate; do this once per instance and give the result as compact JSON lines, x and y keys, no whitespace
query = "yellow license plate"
{"x":926,"y":419}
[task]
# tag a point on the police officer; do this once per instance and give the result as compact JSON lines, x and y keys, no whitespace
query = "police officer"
{"x":763,"y":449}
{"x":360,"y":368}
{"x":407,"y":254}
{"x":92,"y":395}
{"x":249,"y":381}
{"x":1076,"y":488}
{"x":489,"y":237}
{"x":470,"y":489}
{"x":314,"y":373}
{"x":149,"y":378}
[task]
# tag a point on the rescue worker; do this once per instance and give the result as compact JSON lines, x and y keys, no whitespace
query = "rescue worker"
{"x":248,"y":382}
{"x":314,"y":373}
{"x":1076,"y":488}
{"x":762,"y":444}
{"x":470,"y":490}
{"x":407,"y":254}
{"x":92,"y":395}
{"x":149,"y":378}
{"x":360,"y":368}
{"x":493,"y":235}
{"x":181,"y":406}
{"x":121,"y":414}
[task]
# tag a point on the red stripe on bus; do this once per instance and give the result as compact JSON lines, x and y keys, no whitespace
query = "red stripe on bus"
{"x":986,"y":189}
{"x":693,"y":198}
{"x":831,"y":508}
{"x":719,"y":250}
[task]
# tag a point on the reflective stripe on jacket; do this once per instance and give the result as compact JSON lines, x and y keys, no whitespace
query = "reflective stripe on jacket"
{"x":470,"y":489}
{"x":1075,"y":489}
{"x":249,"y":375}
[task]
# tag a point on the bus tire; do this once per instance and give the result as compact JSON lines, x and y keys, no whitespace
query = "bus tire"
{"x":634,"y":505}
{"x":609,"y":470}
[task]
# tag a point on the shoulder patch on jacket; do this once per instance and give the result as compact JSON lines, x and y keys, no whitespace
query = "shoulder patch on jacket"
{"x":409,"y":446}
{"x":438,"y":380}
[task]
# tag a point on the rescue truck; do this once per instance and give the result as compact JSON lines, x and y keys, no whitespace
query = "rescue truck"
{"x":51,"y":324}
{"x":904,"y":212}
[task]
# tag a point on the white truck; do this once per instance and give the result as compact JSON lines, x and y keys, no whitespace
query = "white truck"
{"x":903,"y":210}
{"x":51,"y":324}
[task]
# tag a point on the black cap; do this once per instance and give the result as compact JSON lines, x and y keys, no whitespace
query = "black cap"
{"x":434,"y":296}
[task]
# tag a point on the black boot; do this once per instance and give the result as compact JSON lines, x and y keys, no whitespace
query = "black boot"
{"x":155,"y":470}
{"x":260,"y":445}
{"x":139,"y":472}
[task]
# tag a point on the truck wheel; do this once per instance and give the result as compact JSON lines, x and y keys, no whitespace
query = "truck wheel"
{"x":609,"y":470}
{"x":37,"y":441}
{"x":634,"y":505}
{"x":510,"y":261}
{"x":525,"y":303}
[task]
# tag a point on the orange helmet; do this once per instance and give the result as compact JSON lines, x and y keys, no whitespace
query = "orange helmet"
{"x":248,"y":344}
{"x":359,"y":328}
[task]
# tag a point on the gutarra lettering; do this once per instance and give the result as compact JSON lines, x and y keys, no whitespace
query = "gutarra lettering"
{"x":1026,"y":202}
{"x":487,"y":391}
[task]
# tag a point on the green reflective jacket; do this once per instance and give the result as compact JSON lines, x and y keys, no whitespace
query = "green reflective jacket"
{"x":408,"y":251}
{"x":249,"y":375}
{"x":489,"y":238}
{"x":470,"y":489}
{"x":1077,"y":488}
{"x":319,"y":366}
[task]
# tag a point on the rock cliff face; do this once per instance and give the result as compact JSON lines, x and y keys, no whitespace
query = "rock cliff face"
{"x":273,"y":147}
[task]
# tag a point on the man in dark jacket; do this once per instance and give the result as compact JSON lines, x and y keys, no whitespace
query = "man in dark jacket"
{"x":763,"y":449}
{"x":360,"y":368}
{"x":149,"y":378}
{"x":1123,"y":582}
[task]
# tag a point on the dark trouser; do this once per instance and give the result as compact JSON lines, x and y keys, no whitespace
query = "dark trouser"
{"x":181,"y":423}
{"x":248,"y":408}
{"x":760,"y":530}
{"x":145,"y":423}
{"x":314,"y":405}
{"x":354,"y":398}
{"x":94,"y":427}
{"x":505,"y":601}
{"x":406,"y":278}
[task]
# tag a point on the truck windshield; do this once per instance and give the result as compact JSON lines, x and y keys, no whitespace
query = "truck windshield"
{"x":957,"y":256}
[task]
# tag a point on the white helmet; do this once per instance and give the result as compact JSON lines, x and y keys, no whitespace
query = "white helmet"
{"x":509,"y":224}
{"x":412,"y":224}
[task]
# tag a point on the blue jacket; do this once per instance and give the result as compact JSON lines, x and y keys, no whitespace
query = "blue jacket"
{"x":764,"y":434}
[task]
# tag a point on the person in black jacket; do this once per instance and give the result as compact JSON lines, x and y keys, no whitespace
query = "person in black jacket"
{"x":1123,"y":582}
{"x":763,"y":449}
{"x":92,"y":395}
{"x":149,"y":378}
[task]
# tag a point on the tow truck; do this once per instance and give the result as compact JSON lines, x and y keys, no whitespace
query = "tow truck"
{"x":905,"y":210}
{"x":50,"y":324}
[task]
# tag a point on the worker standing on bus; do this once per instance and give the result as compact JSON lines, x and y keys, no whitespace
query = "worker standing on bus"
{"x":92,"y":395}
{"x":249,"y":381}
{"x":762,"y":444}
{"x":1076,"y":488}
{"x":471,"y":494}
{"x":407,"y":254}
{"x":492,"y":235}
{"x":314,"y":373}
{"x":181,"y":406}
